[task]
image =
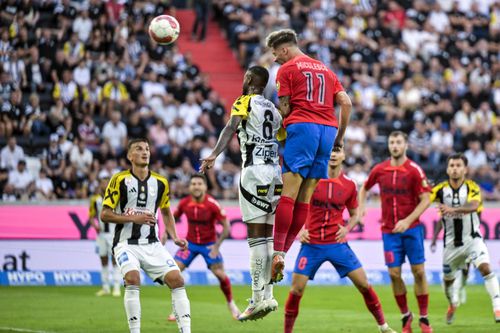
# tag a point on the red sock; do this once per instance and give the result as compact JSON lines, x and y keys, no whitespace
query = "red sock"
{"x":373,"y":304}
{"x":423,"y":304}
{"x":291,"y":311}
{"x":300,"y":212}
{"x":225,"y":286}
{"x":283,"y":220}
{"x":403,"y":305}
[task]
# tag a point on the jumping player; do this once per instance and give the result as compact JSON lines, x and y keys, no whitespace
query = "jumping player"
{"x":405,"y":196}
{"x":131,"y":201}
{"x":104,"y":241}
{"x":460,"y":204}
{"x":307,"y":91}
{"x":324,"y":240}
{"x":203,"y":212}
{"x":257,"y":122}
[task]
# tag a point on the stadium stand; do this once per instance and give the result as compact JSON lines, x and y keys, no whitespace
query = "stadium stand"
{"x":77,"y":78}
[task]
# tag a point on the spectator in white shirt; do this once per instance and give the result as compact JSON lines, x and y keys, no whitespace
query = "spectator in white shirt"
{"x":190,"y":111}
{"x":44,"y":187}
{"x":114,"y":132}
{"x":476,"y":156}
{"x":81,"y":158}
{"x":441,"y":143}
{"x":180,"y":133}
{"x":82,"y":74}
{"x":438,"y":18}
{"x":11,"y":154}
{"x":20,"y":184}
{"x":82,"y":25}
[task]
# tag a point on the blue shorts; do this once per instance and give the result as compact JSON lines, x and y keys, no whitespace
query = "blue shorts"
{"x":311,"y":256}
{"x":187,"y":256}
{"x":307,"y":149}
{"x":410,"y":243}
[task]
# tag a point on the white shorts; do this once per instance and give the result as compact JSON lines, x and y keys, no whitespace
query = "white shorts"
{"x":455,"y":258}
{"x":260,"y":190}
{"x":104,"y":243}
{"x":153,"y":258}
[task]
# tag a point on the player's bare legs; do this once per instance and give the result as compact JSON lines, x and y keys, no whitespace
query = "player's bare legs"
{"x":225,"y":286}
{"x":180,"y":301}
{"x":451,"y":295}
{"x":359,"y":279}
{"x":399,"y":291}
{"x":491,"y":284}
{"x":422,"y":295}
{"x":299,"y":283}
{"x":132,"y":301}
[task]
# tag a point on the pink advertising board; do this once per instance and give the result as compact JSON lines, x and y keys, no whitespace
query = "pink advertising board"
{"x":71,"y":222}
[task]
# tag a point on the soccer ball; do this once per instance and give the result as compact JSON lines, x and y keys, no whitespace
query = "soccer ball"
{"x":164,"y":29}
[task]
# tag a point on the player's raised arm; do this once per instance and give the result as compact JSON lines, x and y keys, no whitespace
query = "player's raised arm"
{"x":225,"y":136}
{"x":342,"y":99}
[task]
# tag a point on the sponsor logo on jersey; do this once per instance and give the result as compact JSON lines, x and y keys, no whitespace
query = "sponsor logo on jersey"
{"x":262,"y":190}
{"x":132,"y":190}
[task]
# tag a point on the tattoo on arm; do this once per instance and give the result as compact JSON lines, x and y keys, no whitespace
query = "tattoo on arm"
{"x":284,"y":106}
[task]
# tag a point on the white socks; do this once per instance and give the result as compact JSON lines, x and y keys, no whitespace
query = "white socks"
{"x":105,"y":278}
{"x":133,"y":308}
{"x":258,"y":267}
{"x":181,"y":307}
{"x":491,"y":284}
{"x":268,"y":287}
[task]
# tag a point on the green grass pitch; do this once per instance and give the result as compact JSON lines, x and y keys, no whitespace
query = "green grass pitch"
{"x":323,"y":309}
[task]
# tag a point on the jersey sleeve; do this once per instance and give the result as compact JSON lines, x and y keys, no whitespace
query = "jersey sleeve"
{"x":474,"y":192}
{"x":372,"y":178}
{"x":337,"y":85}
{"x":436,"y":193}
{"x":284,"y":82}
{"x":240,"y":106}
{"x":112,"y":194}
{"x":165,"y":198}
{"x":352,"y":201}
{"x":179,"y":210}
{"x":421,"y":185}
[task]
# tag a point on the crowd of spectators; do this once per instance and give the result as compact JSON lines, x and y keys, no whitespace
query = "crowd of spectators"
{"x":430,"y":68}
{"x":78,"y":78}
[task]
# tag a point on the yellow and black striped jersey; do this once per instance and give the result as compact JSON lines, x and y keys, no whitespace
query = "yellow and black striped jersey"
{"x":462,"y":228}
{"x":128,"y":195}
{"x":259,"y":130}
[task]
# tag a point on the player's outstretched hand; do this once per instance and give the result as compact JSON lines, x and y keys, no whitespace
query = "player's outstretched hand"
{"x":182,"y":243}
{"x":341,"y":233}
{"x":207,"y":163}
{"x":148,"y":219}
{"x":304,"y":236}
{"x":401,"y":226}
{"x":214,"y":251}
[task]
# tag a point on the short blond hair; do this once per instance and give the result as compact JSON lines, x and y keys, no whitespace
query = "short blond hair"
{"x":276,"y":38}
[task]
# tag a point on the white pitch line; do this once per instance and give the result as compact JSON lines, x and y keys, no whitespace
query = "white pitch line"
{"x":14,"y":329}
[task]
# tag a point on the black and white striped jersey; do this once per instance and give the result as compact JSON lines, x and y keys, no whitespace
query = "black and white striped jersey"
{"x":128,"y":195}
{"x":460,"y":228}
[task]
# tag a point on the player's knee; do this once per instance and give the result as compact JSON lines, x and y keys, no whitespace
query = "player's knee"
{"x":395,"y":275}
{"x":363,"y":287}
{"x":297,"y":290}
{"x":419,"y":275}
{"x":132,"y":279}
{"x":484,"y":269}
{"x":174,"y":280}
